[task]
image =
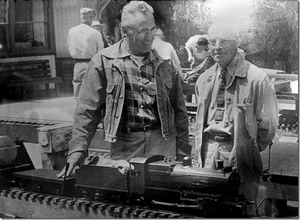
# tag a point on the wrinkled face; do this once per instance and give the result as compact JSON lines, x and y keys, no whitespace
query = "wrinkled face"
{"x":140,"y":32}
{"x":223,"y":46}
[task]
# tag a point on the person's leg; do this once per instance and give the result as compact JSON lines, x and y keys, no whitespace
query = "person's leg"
{"x":157,"y":145}
{"x":250,"y":191}
{"x":209,"y":154}
{"x":224,"y":150}
{"x":148,"y":143}
{"x":79,"y":71}
{"x":128,"y":145}
{"x":213,"y":151}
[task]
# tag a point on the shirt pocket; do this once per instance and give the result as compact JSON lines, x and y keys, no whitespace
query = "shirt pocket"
{"x":168,"y":85}
{"x":111,"y":91}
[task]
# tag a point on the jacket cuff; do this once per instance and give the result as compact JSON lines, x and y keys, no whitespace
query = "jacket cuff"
{"x":182,"y":148}
{"x":76,"y":145}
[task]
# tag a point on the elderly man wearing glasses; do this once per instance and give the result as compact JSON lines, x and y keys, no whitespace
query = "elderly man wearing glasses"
{"x":141,"y":94}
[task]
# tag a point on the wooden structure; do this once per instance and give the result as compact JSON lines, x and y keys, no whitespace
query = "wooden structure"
{"x":65,"y":68}
{"x":51,"y":138}
{"x":27,"y":72}
{"x":38,"y":28}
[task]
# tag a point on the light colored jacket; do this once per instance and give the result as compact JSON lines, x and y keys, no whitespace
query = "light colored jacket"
{"x":103,"y":88}
{"x":255,"y":113}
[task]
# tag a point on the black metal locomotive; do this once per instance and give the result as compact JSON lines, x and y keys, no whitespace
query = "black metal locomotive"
{"x":153,"y":182}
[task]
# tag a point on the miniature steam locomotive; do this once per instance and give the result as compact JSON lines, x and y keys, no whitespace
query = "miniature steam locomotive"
{"x":153,"y":182}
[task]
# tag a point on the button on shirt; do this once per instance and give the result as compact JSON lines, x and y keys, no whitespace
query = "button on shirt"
{"x":140,"y":109}
{"x":84,"y":42}
{"x":226,"y":125}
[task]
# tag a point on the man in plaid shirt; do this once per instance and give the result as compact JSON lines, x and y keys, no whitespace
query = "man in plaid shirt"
{"x":141,"y":94}
{"x":192,"y":76}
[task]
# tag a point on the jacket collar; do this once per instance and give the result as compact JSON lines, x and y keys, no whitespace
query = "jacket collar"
{"x":237,"y":67}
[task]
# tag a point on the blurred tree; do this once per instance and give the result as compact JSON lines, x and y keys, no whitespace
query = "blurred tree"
{"x":111,"y":17}
{"x":270,"y":26}
{"x":275,"y":31}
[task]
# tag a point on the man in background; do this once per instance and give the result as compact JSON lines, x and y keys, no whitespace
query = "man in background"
{"x":197,"y":49}
{"x":83,"y":43}
{"x":165,"y":50}
{"x":99,"y":27}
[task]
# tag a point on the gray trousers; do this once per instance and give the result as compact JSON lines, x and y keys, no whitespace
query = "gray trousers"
{"x":145,"y":143}
{"x":79,"y":72}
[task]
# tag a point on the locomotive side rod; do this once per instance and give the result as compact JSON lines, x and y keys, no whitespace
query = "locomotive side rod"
{"x":25,"y":204}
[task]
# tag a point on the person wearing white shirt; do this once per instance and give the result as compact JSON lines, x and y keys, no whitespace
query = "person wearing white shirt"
{"x":197,"y":49}
{"x":165,"y":50}
{"x":83,"y":43}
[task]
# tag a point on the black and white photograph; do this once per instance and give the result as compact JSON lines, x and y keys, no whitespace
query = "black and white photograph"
{"x":149,"y":109}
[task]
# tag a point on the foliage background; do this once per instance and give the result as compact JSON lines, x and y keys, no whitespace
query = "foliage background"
{"x":269,"y":28}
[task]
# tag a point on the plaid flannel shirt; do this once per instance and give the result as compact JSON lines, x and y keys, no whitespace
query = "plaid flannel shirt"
{"x":140,"y":109}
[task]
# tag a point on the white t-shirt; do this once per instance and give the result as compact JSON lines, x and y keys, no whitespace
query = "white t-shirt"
{"x":84,"y":41}
{"x":166,"y":51}
{"x":191,"y":44}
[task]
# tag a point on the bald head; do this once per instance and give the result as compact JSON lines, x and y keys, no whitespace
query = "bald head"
{"x":224,"y":30}
{"x":224,"y":42}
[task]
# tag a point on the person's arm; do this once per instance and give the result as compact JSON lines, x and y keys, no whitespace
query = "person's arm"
{"x":190,"y":54}
{"x":99,"y":41}
{"x":266,"y":113}
{"x":189,"y":48}
{"x":68,"y":44}
{"x":174,"y":57}
{"x":176,"y":61}
{"x":87,"y":116}
{"x":181,"y":119}
{"x":193,"y":75}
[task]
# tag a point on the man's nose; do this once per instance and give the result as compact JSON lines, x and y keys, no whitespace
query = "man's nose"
{"x":218,"y":44}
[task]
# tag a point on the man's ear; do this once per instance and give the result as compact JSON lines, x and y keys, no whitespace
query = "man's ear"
{"x":123,"y":31}
{"x":238,"y":41}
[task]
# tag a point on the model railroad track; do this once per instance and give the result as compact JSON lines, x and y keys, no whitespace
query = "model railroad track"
{"x":26,"y":204}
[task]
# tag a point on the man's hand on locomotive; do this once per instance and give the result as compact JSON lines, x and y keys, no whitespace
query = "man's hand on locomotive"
{"x":183,"y":149}
{"x":77,"y":158}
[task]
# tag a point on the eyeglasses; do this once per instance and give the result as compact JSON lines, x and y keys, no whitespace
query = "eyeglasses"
{"x":201,"y":44}
{"x":144,"y":31}
{"x":223,"y":42}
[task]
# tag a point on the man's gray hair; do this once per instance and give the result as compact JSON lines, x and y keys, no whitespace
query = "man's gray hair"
{"x":227,"y":29}
{"x":134,"y":7}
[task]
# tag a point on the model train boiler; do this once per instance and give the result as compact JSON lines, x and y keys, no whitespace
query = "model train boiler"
{"x":153,"y":182}
{"x":164,"y":183}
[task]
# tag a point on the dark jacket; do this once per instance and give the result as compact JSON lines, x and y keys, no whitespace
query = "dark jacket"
{"x":103,"y":88}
